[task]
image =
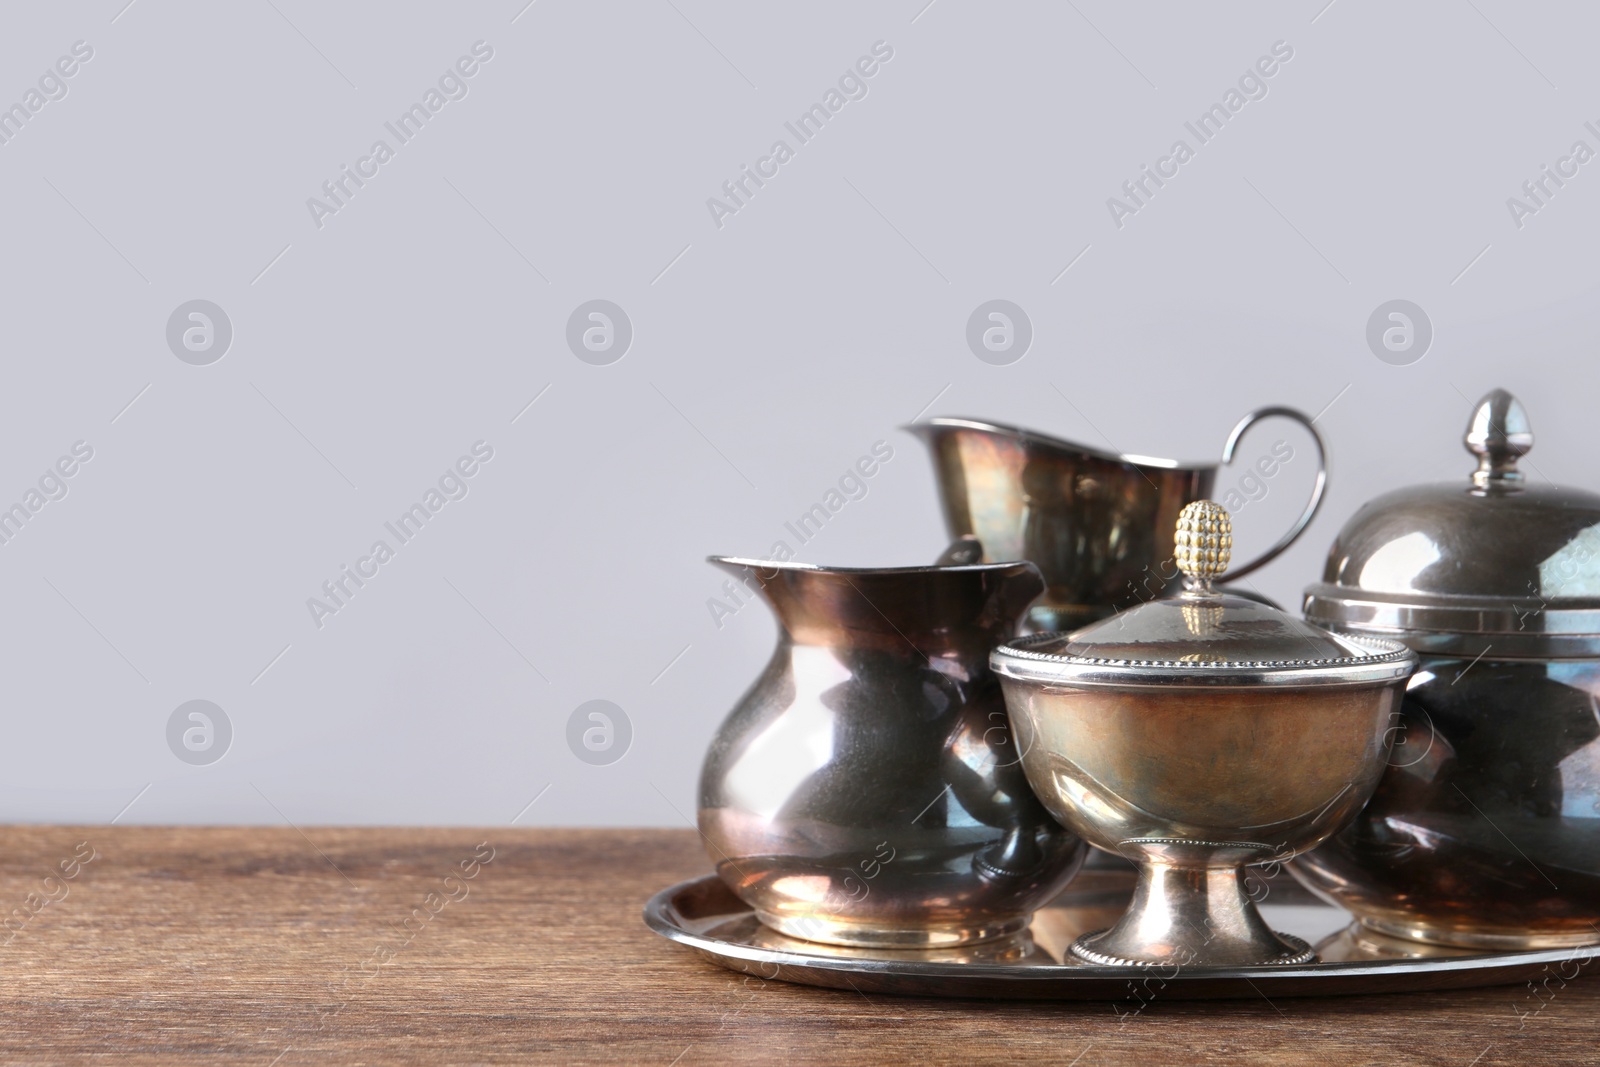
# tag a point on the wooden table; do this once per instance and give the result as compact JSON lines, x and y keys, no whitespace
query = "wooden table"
{"x":266,"y":946}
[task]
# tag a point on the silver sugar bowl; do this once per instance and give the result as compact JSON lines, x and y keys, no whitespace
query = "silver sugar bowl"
{"x":1196,"y":736}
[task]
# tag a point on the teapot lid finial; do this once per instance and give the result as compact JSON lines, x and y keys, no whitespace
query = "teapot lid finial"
{"x":1498,"y":435}
{"x":1204,"y":543}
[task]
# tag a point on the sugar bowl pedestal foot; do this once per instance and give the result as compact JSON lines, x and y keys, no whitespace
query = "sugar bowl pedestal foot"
{"x":1191,"y":912}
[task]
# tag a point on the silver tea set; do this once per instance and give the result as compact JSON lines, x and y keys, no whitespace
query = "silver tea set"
{"x":932,"y":750}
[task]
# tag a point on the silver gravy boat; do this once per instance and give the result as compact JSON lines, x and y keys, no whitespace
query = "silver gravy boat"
{"x":1098,"y":525}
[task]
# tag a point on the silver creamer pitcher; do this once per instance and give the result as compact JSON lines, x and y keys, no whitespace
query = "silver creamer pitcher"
{"x":866,"y":790}
{"x":1098,"y":525}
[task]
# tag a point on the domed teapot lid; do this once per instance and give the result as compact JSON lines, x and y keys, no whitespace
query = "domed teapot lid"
{"x":1202,"y":636}
{"x":1491,"y":563}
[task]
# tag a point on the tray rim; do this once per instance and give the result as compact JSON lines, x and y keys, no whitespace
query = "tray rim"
{"x":1340,"y":978}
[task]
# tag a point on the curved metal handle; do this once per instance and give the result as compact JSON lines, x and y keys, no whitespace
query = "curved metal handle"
{"x":1316,"y":491}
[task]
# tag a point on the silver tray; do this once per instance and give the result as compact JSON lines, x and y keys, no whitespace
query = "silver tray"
{"x":705,"y":915}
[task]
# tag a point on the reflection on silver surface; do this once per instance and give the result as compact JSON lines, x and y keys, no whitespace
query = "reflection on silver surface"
{"x":1200,"y":735}
{"x":705,"y":916}
{"x":1488,"y":833}
{"x":1485,"y":829}
{"x":1494,"y":561}
{"x":1097,"y":524}
{"x":867,"y":789}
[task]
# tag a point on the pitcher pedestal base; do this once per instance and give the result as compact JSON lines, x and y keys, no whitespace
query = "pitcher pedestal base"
{"x":830,"y":930}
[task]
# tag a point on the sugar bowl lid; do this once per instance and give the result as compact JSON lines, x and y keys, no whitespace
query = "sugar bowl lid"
{"x":1491,"y":563}
{"x":1202,"y":637}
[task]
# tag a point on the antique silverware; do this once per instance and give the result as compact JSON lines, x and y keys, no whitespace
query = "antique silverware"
{"x":1197,"y":735}
{"x":705,"y":916}
{"x":867,"y":790}
{"x":1099,"y":525}
{"x":1485,"y":830}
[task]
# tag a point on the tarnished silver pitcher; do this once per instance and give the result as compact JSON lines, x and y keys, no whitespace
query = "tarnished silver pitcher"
{"x":867,"y":789}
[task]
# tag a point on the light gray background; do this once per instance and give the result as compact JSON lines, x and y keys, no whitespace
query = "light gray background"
{"x":767,"y":355}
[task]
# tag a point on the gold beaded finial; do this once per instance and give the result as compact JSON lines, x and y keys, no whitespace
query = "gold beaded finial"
{"x":1204,"y":542}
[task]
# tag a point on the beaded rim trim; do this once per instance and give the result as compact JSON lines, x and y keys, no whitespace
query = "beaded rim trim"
{"x":1193,"y":841}
{"x":1302,"y":954}
{"x":1383,"y":652}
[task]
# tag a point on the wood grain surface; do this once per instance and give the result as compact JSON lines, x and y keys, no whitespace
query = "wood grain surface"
{"x":269,"y":946}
